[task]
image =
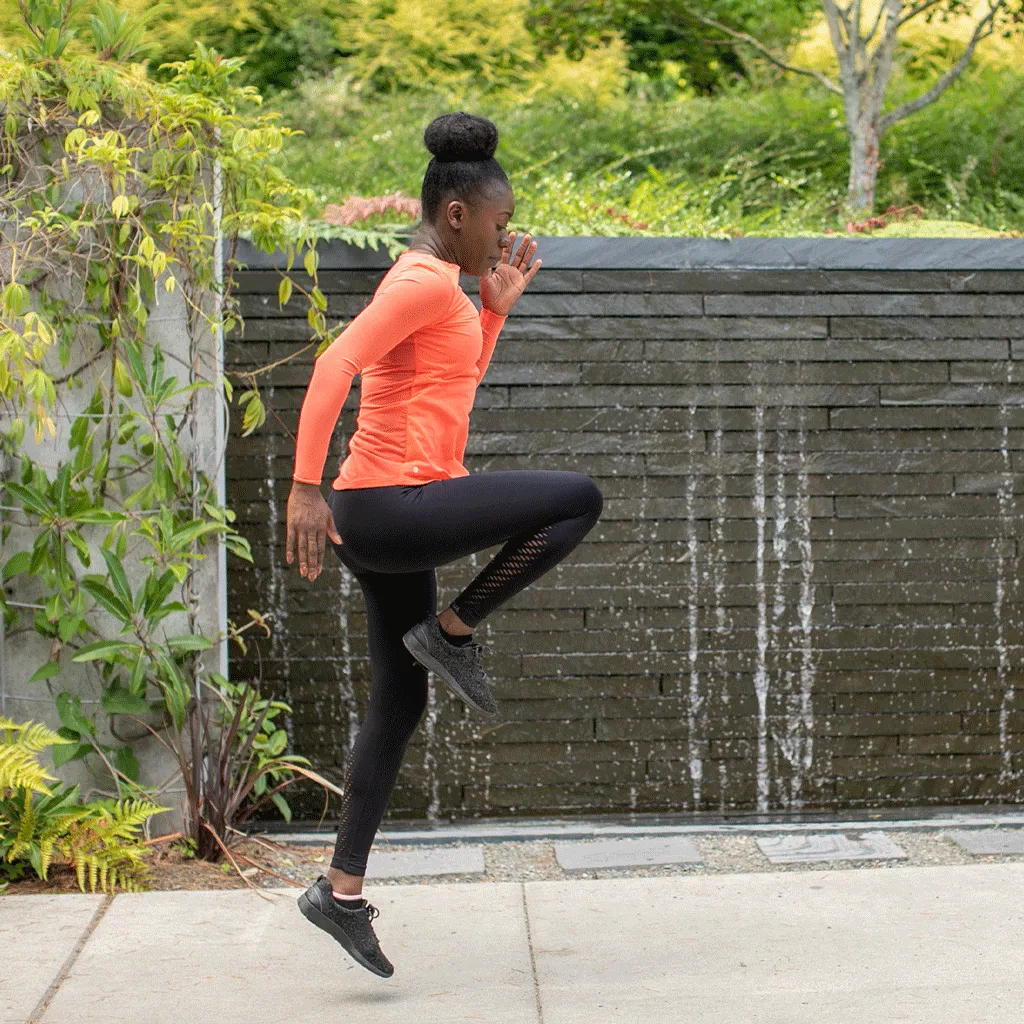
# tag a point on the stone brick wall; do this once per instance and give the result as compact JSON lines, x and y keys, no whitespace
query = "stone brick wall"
{"x":805,"y":589}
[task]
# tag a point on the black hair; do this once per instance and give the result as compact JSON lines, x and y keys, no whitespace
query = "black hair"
{"x":463,"y":164}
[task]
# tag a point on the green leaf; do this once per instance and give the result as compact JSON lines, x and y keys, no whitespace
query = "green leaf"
{"x":47,"y":670}
{"x":106,"y":649}
{"x":176,"y":692}
{"x":284,"y":291}
{"x":122,"y":379}
{"x":70,"y":711}
{"x":69,"y":752}
{"x":158,"y":589}
{"x":282,"y":805}
{"x":310,"y":261}
{"x":16,"y":564}
{"x":68,"y":626}
{"x":127,"y":763}
{"x":189,"y":642}
{"x":255,"y":414}
{"x":78,"y":541}
{"x":100,"y":517}
{"x":277,"y":742}
{"x":30,"y":499}
{"x":119,"y":701}
{"x":117,"y":577}
{"x":106,"y":597}
{"x":136,"y":682}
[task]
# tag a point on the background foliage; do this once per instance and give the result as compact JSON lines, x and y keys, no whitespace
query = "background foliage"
{"x":107,"y":201}
{"x":659,"y":127}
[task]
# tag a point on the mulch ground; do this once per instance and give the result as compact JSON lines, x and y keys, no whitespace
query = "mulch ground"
{"x":260,"y":861}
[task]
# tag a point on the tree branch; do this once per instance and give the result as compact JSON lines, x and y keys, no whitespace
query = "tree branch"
{"x":884,"y":54}
{"x":749,"y":40}
{"x":842,"y":17}
{"x":983,"y":30}
{"x":878,"y":21}
{"x":917,"y":9}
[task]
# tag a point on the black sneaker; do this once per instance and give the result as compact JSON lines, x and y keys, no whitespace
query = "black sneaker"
{"x":351,"y":928}
{"x":461,"y":668}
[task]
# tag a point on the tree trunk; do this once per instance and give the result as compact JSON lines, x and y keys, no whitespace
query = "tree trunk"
{"x":864,"y":77}
{"x":860,"y":194}
{"x":864,"y":74}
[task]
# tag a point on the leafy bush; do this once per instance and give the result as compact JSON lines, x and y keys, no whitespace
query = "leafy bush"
{"x":40,"y":825}
{"x":771,"y":162}
{"x":107,"y":182}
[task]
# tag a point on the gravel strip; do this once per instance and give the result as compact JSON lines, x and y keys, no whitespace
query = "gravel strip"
{"x":723,"y":855}
{"x":510,"y":861}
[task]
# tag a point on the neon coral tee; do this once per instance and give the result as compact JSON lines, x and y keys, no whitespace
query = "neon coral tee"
{"x":421,"y":348}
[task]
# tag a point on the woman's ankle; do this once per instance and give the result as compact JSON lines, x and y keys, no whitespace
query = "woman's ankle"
{"x":452,"y":624}
{"x":344,"y":883}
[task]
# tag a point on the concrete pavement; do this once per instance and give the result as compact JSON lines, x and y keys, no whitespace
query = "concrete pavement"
{"x":912,"y":944}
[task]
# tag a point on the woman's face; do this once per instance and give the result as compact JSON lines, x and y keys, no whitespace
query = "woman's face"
{"x":484,"y":229}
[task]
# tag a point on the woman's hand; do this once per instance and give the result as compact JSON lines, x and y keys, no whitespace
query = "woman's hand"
{"x":501,"y":288}
{"x":309,"y":519}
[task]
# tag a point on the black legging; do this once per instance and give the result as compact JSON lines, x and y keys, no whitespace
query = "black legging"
{"x":392,"y":539}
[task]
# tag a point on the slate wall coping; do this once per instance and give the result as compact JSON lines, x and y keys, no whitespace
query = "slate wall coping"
{"x":632,"y":253}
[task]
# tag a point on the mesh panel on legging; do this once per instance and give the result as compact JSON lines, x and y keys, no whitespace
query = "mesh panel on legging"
{"x":522,"y":560}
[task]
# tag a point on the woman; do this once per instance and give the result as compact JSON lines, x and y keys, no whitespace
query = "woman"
{"x":403,"y":503}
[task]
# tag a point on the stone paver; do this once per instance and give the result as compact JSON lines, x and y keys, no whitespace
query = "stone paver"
{"x":990,"y":840}
{"x":457,"y":860}
{"x":901,"y":944}
{"x":617,"y":853}
{"x":829,"y":846}
{"x":231,"y":957}
{"x":37,"y":934}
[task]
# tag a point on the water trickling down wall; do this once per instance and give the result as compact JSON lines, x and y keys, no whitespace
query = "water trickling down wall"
{"x":805,"y":587}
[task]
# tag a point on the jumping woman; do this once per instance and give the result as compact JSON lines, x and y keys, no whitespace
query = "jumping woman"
{"x":403,"y":503}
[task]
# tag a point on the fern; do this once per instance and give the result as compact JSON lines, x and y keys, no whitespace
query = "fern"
{"x":40,"y":825}
{"x":107,"y":846}
{"x":19,"y":745}
{"x":22,"y":840}
{"x":57,"y":813}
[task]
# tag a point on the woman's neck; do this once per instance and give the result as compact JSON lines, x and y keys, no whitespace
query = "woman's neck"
{"x":427,"y":240}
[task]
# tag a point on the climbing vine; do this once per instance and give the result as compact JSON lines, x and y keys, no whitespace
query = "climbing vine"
{"x":122,"y":198}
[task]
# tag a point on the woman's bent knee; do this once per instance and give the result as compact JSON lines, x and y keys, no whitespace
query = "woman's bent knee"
{"x":590,"y":497}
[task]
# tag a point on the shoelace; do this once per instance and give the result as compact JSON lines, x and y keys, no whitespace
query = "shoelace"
{"x":371,"y":911}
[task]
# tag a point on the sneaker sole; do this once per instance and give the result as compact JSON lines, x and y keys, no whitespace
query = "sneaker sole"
{"x":416,"y":647}
{"x":335,"y":930}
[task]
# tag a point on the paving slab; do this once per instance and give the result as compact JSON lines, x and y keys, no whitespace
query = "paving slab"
{"x":461,"y":953}
{"x":990,"y":840}
{"x":625,"y":853}
{"x":37,"y":934}
{"x":791,"y":849}
{"x":921,"y":945}
{"x":457,"y":860}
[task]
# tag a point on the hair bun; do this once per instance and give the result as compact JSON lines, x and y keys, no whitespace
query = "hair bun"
{"x":461,"y":136}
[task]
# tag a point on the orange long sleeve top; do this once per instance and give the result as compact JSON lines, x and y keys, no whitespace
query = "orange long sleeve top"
{"x":422,"y":349}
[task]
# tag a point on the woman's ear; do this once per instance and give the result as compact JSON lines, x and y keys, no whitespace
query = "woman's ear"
{"x":455,"y":213}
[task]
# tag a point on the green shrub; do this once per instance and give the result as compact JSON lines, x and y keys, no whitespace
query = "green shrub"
{"x":40,"y":825}
{"x":107,"y":180}
{"x":757,"y":162}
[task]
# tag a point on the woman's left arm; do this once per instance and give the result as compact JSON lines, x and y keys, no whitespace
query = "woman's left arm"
{"x":500,"y":291}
